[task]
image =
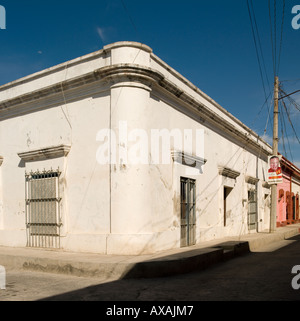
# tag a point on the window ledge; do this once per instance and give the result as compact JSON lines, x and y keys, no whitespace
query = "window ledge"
{"x":45,"y":153}
{"x":251,"y":180}
{"x":187,"y":159}
{"x":227,"y":172}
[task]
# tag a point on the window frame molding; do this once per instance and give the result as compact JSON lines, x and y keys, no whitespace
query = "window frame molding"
{"x":251,"y":180}
{"x":228,"y":172}
{"x":187,"y":159}
{"x":45,"y":153}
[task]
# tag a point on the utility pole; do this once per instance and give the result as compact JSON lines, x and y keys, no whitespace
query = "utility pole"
{"x":275,"y":152}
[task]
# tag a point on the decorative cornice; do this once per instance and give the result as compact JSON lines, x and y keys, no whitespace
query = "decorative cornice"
{"x":114,"y":74}
{"x":187,"y":159}
{"x":251,"y":180}
{"x":45,"y":153}
{"x":136,"y":73}
{"x":228,"y":172}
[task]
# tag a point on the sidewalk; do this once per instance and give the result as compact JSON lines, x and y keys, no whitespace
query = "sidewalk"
{"x":172,"y":262}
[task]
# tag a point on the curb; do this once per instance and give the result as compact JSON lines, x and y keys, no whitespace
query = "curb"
{"x":175,"y":264}
{"x":168,"y":263}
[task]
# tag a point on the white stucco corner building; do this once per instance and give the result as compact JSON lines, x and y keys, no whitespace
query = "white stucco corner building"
{"x":117,"y":153}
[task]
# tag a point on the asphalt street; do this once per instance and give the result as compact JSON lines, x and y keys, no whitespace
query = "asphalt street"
{"x":261,"y":276}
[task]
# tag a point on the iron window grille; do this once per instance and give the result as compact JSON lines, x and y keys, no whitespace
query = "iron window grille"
{"x":43,"y":221}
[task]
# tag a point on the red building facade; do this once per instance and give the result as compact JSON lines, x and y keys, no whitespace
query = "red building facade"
{"x":288,"y":194}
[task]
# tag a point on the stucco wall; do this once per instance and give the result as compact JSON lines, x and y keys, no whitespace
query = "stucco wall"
{"x":124,"y":207}
{"x":85,"y":186}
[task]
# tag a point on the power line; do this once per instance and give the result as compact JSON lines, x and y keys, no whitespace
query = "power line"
{"x":129,"y":16}
{"x":276,"y":53}
{"x":291,"y":100}
{"x":286,"y":113}
{"x":290,"y":80}
{"x":259,"y":42}
{"x":288,"y":95}
{"x":282,"y":134}
{"x":256,"y":47}
{"x":290,"y":121}
{"x":269,"y":117}
{"x":295,"y":104}
{"x":262,"y":107}
{"x":271,"y":30}
{"x":287,"y":136}
{"x":281,"y":37}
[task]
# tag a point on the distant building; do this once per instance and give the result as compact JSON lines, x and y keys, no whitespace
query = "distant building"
{"x":288,"y":194}
{"x":115,"y":152}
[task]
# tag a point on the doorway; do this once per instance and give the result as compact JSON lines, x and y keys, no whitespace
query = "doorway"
{"x":227,"y":191}
{"x":188,"y":212}
{"x":252,"y":209}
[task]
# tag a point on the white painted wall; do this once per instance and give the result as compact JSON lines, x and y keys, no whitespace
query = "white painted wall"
{"x":122,"y":208}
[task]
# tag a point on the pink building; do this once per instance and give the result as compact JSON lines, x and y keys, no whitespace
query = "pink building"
{"x":288,"y":194}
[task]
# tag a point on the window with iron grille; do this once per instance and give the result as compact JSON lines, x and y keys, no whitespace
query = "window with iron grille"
{"x":43,"y":220}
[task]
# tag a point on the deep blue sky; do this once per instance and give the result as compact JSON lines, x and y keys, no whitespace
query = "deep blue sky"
{"x":208,"y":42}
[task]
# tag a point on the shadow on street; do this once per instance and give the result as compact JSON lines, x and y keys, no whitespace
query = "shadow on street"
{"x":260,"y":276}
